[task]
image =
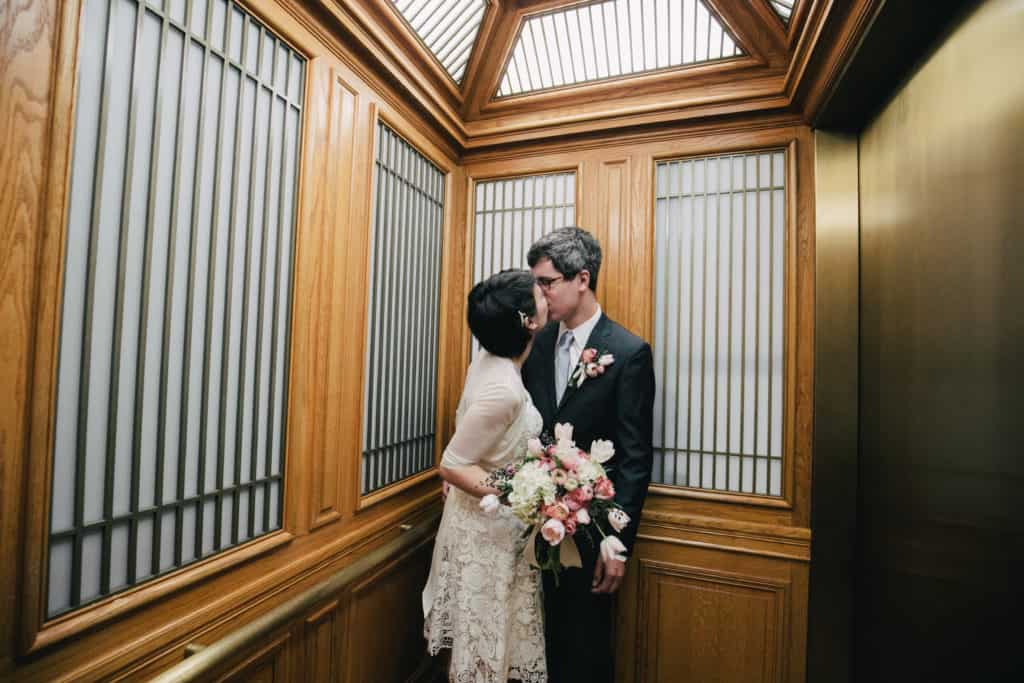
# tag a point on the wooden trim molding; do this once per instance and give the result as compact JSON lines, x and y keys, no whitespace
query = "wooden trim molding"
{"x":118,"y":605}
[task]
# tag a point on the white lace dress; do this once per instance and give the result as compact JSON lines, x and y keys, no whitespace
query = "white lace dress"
{"x":482,"y":598}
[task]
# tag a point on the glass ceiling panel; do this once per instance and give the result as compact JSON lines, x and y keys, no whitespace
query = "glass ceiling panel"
{"x":784,"y":8}
{"x":614,"y":38}
{"x":447,"y":28}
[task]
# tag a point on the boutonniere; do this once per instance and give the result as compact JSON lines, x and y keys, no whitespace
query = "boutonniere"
{"x":592,"y":364}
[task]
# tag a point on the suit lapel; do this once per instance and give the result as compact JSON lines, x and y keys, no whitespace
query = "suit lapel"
{"x":597,"y":340}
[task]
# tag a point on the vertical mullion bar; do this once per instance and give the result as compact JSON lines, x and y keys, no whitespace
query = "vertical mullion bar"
{"x":689,"y":377}
{"x":728,"y":357}
{"x":703,"y":315}
{"x":771,"y":316}
{"x":229,"y":280}
{"x":90,"y":289}
{"x":413,"y":304}
{"x":643,"y":37}
{"x":708,"y":41}
{"x":757,"y":316}
{"x":416,"y":325}
{"x":381,"y":284}
{"x":260,"y":286}
{"x":127,"y":182}
{"x":422,"y":426}
{"x":667,"y":230}
{"x":579,"y":37}
{"x":696,"y":6}
{"x":210,"y":281}
{"x":172,"y":242}
{"x":436,"y":228}
{"x":246,"y":277}
{"x":373,"y":330}
{"x":402,"y":379}
{"x":679,"y":331}
{"x":387,"y":412}
{"x":743,"y":337}
{"x":281,"y":220}
{"x":294,"y":191}
{"x":189,"y":303}
{"x":394,"y":379}
{"x":140,"y":360}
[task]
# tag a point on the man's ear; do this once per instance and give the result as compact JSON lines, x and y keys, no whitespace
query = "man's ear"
{"x":585,"y":278}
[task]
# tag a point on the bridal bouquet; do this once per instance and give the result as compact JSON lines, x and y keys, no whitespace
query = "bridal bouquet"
{"x":561,"y":492}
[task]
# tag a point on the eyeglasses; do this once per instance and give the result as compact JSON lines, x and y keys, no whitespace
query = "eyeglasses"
{"x":546,"y":283}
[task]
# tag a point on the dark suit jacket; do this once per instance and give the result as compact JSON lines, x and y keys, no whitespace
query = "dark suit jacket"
{"x":617,"y":406}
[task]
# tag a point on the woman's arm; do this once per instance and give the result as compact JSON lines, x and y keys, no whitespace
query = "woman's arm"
{"x":470,"y":478}
{"x":480,"y":430}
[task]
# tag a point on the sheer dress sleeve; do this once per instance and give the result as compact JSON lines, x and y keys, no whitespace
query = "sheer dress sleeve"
{"x":485,"y":421}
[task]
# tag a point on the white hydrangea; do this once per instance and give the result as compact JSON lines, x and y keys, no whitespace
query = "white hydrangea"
{"x":530,"y":486}
{"x":589,"y":471}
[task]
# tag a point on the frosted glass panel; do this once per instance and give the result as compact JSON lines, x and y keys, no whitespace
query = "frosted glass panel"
{"x":405,"y":280}
{"x":602,"y":40}
{"x":720,"y":265}
{"x":511,"y":214}
{"x":177,"y":284}
{"x":448,"y":28}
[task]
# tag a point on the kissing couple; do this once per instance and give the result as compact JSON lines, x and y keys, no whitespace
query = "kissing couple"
{"x":540,"y":331}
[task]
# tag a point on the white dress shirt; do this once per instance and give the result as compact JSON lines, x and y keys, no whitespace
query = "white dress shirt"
{"x":580,"y":336}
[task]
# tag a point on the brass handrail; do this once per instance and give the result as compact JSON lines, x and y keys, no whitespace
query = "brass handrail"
{"x":206,"y":659}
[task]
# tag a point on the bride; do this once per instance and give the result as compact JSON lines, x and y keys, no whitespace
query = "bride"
{"x":482,"y":598}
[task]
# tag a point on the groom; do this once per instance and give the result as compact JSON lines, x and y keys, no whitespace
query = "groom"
{"x":616,"y":405}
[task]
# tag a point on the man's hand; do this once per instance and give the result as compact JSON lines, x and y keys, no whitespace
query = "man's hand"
{"x":608,"y":575}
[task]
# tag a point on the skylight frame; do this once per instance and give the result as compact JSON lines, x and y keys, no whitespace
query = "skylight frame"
{"x":591,"y":36}
{"x":450,"y":43}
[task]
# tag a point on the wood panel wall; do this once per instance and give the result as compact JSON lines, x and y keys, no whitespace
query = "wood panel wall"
{"x":730,"y":571}
{"x":325,"y":524}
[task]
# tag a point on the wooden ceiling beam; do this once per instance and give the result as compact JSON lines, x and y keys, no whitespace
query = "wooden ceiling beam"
{"x":481,"y":48}
{"x":756,"y":27}
{"x":492,"y":53}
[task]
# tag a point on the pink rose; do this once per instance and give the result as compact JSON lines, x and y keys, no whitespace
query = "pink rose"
{"x":557,"y":511}
{"x":582,"y":516}
{"x":584,"y":493}
{"x":588,"y":355}
{"x":547,"y":464}
{"x":553,"y":531}
{"x":571,"y":503}
{"x":604,"y":489}
{"x":551,"y":450}
{"x":570,"y":526}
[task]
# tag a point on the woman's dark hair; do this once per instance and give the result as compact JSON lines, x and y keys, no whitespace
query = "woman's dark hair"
{"x":493,"y":312}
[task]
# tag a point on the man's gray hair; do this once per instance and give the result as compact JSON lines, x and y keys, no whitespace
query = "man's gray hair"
{"x":570,"y":250}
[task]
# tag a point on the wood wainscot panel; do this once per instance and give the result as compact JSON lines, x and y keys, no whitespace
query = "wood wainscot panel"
{"x":384,"y":630}
{"x":320,"y":644}
{"x":702,"y":625}
{"x":704,"y":604}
